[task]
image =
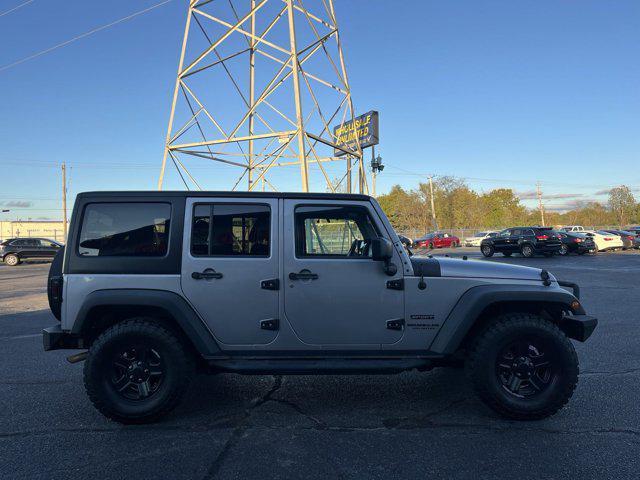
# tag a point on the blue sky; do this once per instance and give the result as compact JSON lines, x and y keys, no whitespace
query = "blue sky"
{"x":502,"y":93}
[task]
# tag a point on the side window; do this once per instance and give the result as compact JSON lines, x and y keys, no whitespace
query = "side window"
{"x":529,"y":233}
{"x":505,"y":233}
{"x":340,"y":231}
{"x":516,"y":232}
{"x":224,"y":229}
{"x":125,"y":229}
{"x":18,"y":243}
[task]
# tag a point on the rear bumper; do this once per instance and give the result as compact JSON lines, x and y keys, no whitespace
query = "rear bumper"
{"x":578,"y":327}
{"x":54,"y":338}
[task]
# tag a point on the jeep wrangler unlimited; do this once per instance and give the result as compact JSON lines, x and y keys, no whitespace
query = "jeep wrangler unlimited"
{"x":156,"y":286}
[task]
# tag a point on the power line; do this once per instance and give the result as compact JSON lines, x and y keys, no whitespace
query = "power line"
{"x":496,"y":180}
{"x":81,"y":36}
{"x":23,"y":4}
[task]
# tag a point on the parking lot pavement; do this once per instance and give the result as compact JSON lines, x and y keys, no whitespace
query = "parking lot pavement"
{"x":412,"y":425}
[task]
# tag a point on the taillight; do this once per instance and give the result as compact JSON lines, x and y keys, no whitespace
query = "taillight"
{"x":542,"y":237}
{"x":607,"y":239}
{"x":577,"y":240}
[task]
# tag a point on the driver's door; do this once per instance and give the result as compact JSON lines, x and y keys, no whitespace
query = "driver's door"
{"x":335,"y":294}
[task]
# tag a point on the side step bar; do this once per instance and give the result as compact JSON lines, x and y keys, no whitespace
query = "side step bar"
{"x":319,"y":366}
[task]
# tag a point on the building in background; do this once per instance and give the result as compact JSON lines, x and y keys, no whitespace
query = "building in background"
{"x":52,"y":229}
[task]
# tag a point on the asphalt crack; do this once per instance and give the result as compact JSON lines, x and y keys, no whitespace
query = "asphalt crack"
{"x":240,"y":428}
{"x":629,"y":371}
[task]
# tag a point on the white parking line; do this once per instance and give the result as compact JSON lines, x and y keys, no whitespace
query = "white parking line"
{"x":31,"y":335}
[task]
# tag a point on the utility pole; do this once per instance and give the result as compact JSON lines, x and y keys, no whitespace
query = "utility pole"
{"x":540,"y":206}
{"x":64,"y":200}
{"x":433,"y":208}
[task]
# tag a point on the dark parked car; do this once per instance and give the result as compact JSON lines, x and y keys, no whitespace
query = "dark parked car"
{"x":14,"y":250}
{"x":573,"y":242}
{"x":528,"y":241}
{"x":437,"y":240}
{"x":627,"y":237}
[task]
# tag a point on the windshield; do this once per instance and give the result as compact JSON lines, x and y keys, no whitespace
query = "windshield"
{"x":481,"y":234}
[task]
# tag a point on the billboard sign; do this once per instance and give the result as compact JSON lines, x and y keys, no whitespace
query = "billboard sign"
{"x":362,"y":130}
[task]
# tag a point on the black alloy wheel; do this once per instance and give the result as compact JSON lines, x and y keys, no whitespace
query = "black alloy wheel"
{"x":526,"y":250}
{"x":525,"y":369}
{"x":487,"y":250}
{"x":137,"y":372}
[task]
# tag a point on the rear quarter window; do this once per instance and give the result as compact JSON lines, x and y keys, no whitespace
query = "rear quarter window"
{"x":125,"y":229}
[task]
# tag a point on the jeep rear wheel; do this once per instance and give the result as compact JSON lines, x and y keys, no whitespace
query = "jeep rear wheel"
{"x":523,"y":367}
{"x":137,"y":371}
{"x":487,"y":250}
{"x":12,"y":260}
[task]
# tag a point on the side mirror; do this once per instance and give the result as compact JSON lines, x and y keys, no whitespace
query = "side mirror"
{"x":381,"y":249}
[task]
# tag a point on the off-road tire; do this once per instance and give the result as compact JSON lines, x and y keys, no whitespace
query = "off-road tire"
{"x":481,"y":366}
{"x":12,"y":260}
{"x":487,"y":250}
{"x":179,"y":365}
{"x":527,"y":251}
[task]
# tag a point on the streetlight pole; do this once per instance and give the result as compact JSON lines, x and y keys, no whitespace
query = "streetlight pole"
{"x":376,"y":167}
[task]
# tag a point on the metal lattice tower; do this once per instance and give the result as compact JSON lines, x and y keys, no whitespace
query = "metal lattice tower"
{"x":260,"y":85}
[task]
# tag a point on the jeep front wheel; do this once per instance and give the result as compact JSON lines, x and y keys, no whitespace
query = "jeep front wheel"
{"x":137,"y":371}
{"x":523,"y":367}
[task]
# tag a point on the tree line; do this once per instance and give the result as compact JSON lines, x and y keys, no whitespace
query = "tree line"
{"x":458,"y":207}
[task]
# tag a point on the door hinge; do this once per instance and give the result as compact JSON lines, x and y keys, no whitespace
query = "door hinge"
{"x":271,"y":324}
{"x":396,"y":284}
{"x":395,"y":324}
{"x":272,"y":284}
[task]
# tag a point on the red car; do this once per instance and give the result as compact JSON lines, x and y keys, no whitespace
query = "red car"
{"x":437,"y":240}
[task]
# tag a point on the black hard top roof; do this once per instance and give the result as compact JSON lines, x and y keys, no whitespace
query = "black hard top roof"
{"x":202,"y":193}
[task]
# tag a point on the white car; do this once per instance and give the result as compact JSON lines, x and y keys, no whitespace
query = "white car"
{"x":574,"y":228}
{"x":605,"y":240}
{"x":477,"y":238}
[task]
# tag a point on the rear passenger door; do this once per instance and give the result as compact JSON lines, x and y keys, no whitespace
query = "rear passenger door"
{"x":230,"y":267}
{"x":502,"y":240}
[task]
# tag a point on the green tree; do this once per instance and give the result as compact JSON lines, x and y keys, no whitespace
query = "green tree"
{"x":622,"y":204}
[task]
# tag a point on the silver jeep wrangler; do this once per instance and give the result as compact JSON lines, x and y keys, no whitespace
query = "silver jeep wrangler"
{"x":156,"y":286}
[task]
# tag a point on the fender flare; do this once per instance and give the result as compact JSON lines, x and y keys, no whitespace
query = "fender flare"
{"x":475,"y":300}
{"x":175,"y":305}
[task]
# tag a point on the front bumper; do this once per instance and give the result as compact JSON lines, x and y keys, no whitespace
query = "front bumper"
{"x":578,"y":327}
{"x":54,"y":338}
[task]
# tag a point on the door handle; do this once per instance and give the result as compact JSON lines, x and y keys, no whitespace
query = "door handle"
{"x":303,"y":275}
{"x":206,"y":274}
